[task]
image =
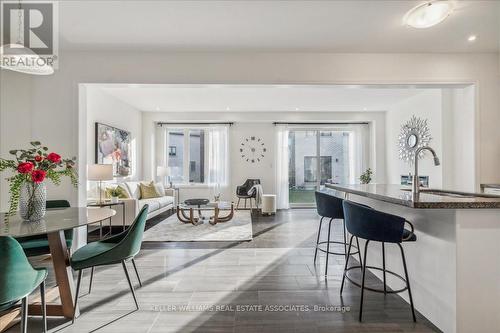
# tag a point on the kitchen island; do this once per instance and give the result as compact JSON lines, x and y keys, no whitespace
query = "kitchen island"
{"x":454,"y":265}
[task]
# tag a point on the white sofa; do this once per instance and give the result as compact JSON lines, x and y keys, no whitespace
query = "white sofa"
{"x":134,"y":204}
{"x":156,"y":205}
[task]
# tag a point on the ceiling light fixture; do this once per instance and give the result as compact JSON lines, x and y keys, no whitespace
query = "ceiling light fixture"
{"x":428,"y":14}
{"x":18,"y":58}
{"x":472,"y":38}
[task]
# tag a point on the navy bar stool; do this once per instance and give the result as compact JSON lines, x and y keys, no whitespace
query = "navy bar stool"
{"x":372,"y":225}
{"x":330,"y":206}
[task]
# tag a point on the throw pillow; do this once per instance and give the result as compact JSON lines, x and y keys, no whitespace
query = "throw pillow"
{"x":160,"y":189}
{"x":118,"y":192}
{"x":148,"y":191}
{"x":126,"y":193}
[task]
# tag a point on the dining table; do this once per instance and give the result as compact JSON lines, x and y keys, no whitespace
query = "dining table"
{"x":53,"y":224}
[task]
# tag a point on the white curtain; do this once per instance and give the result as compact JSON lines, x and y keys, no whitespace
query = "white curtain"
{"x":282,"y":201}
{"x":358,"y":154}
{"x":218,"y":155}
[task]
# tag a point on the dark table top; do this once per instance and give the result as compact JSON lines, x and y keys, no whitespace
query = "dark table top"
{"x":54,"y":220}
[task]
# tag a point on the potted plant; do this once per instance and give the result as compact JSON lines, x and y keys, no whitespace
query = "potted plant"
{"x":366,"y":177}
{"x":27,"y":186}
{"x":115,"y":194}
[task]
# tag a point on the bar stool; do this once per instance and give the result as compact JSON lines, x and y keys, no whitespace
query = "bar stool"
{"x":330,"y":206}
{"x":373,"y":225}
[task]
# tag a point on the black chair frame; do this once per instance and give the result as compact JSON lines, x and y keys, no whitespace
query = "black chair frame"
{"x":364,"y":266}
{"x":328,"y":242}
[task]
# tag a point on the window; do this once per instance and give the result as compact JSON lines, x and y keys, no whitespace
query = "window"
{"x":176,"y":162}
{"x":172,"y":150}
{"x":305,"y":173}
{"x":197,"y":155}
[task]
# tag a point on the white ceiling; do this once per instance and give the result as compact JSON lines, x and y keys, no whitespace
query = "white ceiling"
{"x":312,"y":26}
{"x":259,"y":98}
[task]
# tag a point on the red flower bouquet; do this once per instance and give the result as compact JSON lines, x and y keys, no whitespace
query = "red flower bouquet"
{"x":31,"y":167}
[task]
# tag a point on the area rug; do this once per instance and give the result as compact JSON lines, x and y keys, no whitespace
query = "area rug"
{"x":172,"y":230}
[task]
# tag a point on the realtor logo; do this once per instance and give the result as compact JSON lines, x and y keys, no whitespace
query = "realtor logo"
{"x":29,"y":42}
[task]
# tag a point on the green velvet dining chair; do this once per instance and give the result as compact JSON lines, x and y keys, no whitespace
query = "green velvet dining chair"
{"x":39,"y":244}
{"x":18,"y":279}
{"x":113,"y":250}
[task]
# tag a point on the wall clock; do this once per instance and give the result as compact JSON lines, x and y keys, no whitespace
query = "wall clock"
{"x":252,"y":149}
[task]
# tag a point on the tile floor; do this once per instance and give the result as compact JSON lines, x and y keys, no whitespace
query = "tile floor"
{"x":226,"y":287}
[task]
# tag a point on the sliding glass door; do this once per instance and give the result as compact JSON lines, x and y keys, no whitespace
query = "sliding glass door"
{"x":317,"y":157}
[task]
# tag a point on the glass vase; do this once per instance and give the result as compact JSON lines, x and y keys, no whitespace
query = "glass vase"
{"x":32,"y":200}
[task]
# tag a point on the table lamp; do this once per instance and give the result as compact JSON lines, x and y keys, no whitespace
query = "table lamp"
{"x":163,"y":172}
{"x":100,"y":172}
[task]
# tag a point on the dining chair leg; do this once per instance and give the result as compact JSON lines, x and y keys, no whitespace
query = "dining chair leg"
{"x":317,"y":239}
{"x":245,"y":203}
{"x":130,"y":284}
{"x":136,"y":272}
{"x":238,"y":204}
{"x":79,"y":281}
{"x":408,"y":283}
{"x":346,"y":263}
{"x":44,"y":306}
{"x":383,"y":267}
{"x":328,"y":246}
{"x":91,"y":278}
{"x":363,"y":282}
{"x":24,"y":315}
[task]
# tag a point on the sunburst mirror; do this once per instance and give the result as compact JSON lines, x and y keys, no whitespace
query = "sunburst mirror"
{"x":414,"y":134}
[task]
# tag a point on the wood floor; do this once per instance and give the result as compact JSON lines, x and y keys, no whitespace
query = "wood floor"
{"x":226,"y":287}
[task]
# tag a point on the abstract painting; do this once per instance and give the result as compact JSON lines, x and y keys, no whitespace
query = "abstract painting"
{"x":113,"y":147}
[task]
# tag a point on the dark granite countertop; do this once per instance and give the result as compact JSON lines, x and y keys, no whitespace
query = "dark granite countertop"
{"x":490,"y":186}
{"x":400,"y":195}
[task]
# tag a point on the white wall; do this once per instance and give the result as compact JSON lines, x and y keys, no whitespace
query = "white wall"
{"x":247,"y":124}
{"x":426,"y":105}
{"x":15,"y":122}
{"x":106,"y":109}
{"x":55,"y":101}
{"x":450,"y":117}
{"x":458,"y":138}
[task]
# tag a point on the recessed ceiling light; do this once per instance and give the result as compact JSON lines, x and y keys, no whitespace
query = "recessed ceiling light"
{"x":228,"y":108}
{"x":472,"y":38}
{"x":428,"y":14}
{"x":296,"y":109}
{"x":364,"y":109}
{"x":157,"y":108}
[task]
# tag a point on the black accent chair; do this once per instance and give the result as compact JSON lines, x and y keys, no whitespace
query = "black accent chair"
{"x":330,"y":206}
{"x":242,"y":192}
{"x":372,"y":225}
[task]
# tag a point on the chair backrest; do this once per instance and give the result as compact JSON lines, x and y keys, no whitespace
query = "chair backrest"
{"x":16,"y":273}
{"x":251,"y":182}
{"x":371,"y":224}
{"x":130,"y":245}
{"x":328,"y":205}
{"x":57,"y":204}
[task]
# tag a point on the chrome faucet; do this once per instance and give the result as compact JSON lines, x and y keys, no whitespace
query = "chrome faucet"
{"x":416,"y":181}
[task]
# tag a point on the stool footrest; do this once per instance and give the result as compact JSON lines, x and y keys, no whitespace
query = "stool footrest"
{"x":375,"y":289}
{"x":336,"y":253}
